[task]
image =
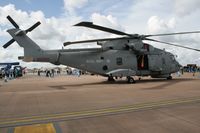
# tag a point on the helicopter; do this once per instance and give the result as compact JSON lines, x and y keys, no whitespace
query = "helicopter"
{"x":125,"y":56}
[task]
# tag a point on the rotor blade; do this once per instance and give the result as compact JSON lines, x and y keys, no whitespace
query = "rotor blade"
{"x":33,"y":27}
{"x":172,"y":44}
{"x":8,"y":43}
{"x":176,"y":33}
{"x":95,"y":40}
{"x":101,"y":28}
{"x":13,"y":22}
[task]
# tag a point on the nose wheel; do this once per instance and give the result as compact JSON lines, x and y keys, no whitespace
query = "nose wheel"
{"x":130,"y":80}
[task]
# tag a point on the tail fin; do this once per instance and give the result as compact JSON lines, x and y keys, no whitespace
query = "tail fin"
{"x":24,"y":41}
{"x":31,"y":49}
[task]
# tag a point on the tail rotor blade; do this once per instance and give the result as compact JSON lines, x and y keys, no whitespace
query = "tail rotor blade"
{"x":33,"y":27}
{"x":13,"y":22}
{"x":8,"y":43}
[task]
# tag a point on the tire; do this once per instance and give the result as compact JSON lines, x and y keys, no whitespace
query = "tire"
{"x":131,"y":80}
{"x":111,"y":79}
{"x":169,"y":78}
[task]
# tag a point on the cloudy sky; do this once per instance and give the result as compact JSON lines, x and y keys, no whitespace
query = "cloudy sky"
{"x":132,"y":16}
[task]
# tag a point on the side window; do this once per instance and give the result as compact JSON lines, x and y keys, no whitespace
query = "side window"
{"x":119,"y":61}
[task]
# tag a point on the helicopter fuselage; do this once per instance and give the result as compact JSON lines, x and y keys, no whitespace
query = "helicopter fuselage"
{"x":115,"y":62}
{"x":121,"y":63}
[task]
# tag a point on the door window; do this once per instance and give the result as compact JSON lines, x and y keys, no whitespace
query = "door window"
{"x":119,"y":61}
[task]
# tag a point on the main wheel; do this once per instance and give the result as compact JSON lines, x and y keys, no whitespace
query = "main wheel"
{"x":111,"y":79}
{"x":131,"y":80}
{"x":169,"y":78}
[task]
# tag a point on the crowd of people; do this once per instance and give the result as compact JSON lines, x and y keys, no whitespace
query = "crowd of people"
{"x":52,"y":72}
{"x":11,"y":73}
{"x":48,"y":73}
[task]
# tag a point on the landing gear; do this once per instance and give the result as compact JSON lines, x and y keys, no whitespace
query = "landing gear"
{"x":130,"y":80}
{"x":169,"y":78}
{"x":111,"y":79}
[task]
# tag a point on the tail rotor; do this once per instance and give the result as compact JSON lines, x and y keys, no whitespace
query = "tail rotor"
{"x":17,"y":27}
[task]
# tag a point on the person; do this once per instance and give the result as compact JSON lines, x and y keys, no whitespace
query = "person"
{"x":5,"y":78}
{"x":38,"y":72}
{"x":10,"y":74}
{"x":24,"y":71}
{"x":15,"y":73}
{"x":52,"y":72}
{"x":194,"y":71}
{"x":4,"y":75}
{"x":178,"y":74}
{"x":182,"y":71}
{"x":48,"y":73}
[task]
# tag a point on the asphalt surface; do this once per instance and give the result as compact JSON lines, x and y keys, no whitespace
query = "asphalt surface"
{"x":90,"y":104}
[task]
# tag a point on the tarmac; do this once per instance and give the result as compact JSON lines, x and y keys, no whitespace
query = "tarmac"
{"x":90,"y":104}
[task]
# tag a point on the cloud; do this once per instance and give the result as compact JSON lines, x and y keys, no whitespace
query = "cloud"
{"x":157,"y":25}
{"x":186,"y":7}
{"x":10,"y":10}
{"x":106,"y":20}
{"x":71,"y":5}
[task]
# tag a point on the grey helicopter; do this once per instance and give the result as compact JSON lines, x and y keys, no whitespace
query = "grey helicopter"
{"x":125,"y":56}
